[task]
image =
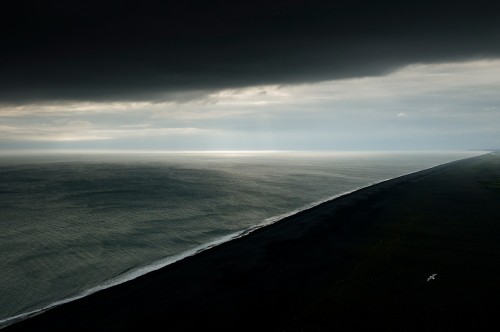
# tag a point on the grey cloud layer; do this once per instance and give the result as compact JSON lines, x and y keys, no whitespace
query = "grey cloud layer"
{"x":157,"y":50}
{"x":439,"y":106}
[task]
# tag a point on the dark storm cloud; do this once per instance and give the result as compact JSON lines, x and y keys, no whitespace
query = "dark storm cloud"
{"x":133,"y":50}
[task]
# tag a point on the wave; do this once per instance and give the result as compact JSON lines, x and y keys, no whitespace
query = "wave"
{"x":140,"y":271}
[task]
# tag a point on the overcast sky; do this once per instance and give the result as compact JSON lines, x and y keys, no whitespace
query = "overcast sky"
{"x":260,"y":75}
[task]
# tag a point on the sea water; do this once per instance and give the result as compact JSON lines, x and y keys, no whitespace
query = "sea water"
{"x":72,"y":224}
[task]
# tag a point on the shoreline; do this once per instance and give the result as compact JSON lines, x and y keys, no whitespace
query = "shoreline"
{"x":161,"y":263}
{"x":303,"y":222}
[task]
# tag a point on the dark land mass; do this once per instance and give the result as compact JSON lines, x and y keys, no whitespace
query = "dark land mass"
{"x":359,"y":262}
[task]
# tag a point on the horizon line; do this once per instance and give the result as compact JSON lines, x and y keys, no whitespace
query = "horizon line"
{"x":119,"y":151}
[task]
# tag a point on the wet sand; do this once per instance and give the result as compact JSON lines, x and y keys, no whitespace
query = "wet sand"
{"x":359,"y":262}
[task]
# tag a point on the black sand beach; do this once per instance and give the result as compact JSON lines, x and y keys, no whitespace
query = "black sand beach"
{"x":360,"y":262}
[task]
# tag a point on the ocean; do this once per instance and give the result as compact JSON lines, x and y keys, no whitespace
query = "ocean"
{"x":72,"y":224}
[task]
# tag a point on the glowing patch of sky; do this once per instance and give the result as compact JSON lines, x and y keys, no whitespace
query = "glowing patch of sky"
{"x":448,"y":105}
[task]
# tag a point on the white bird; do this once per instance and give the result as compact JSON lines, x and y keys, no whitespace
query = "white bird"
{"x":432,"y":277}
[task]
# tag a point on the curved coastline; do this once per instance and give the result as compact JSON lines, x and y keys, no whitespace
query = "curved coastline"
{"x":143,"y":271}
